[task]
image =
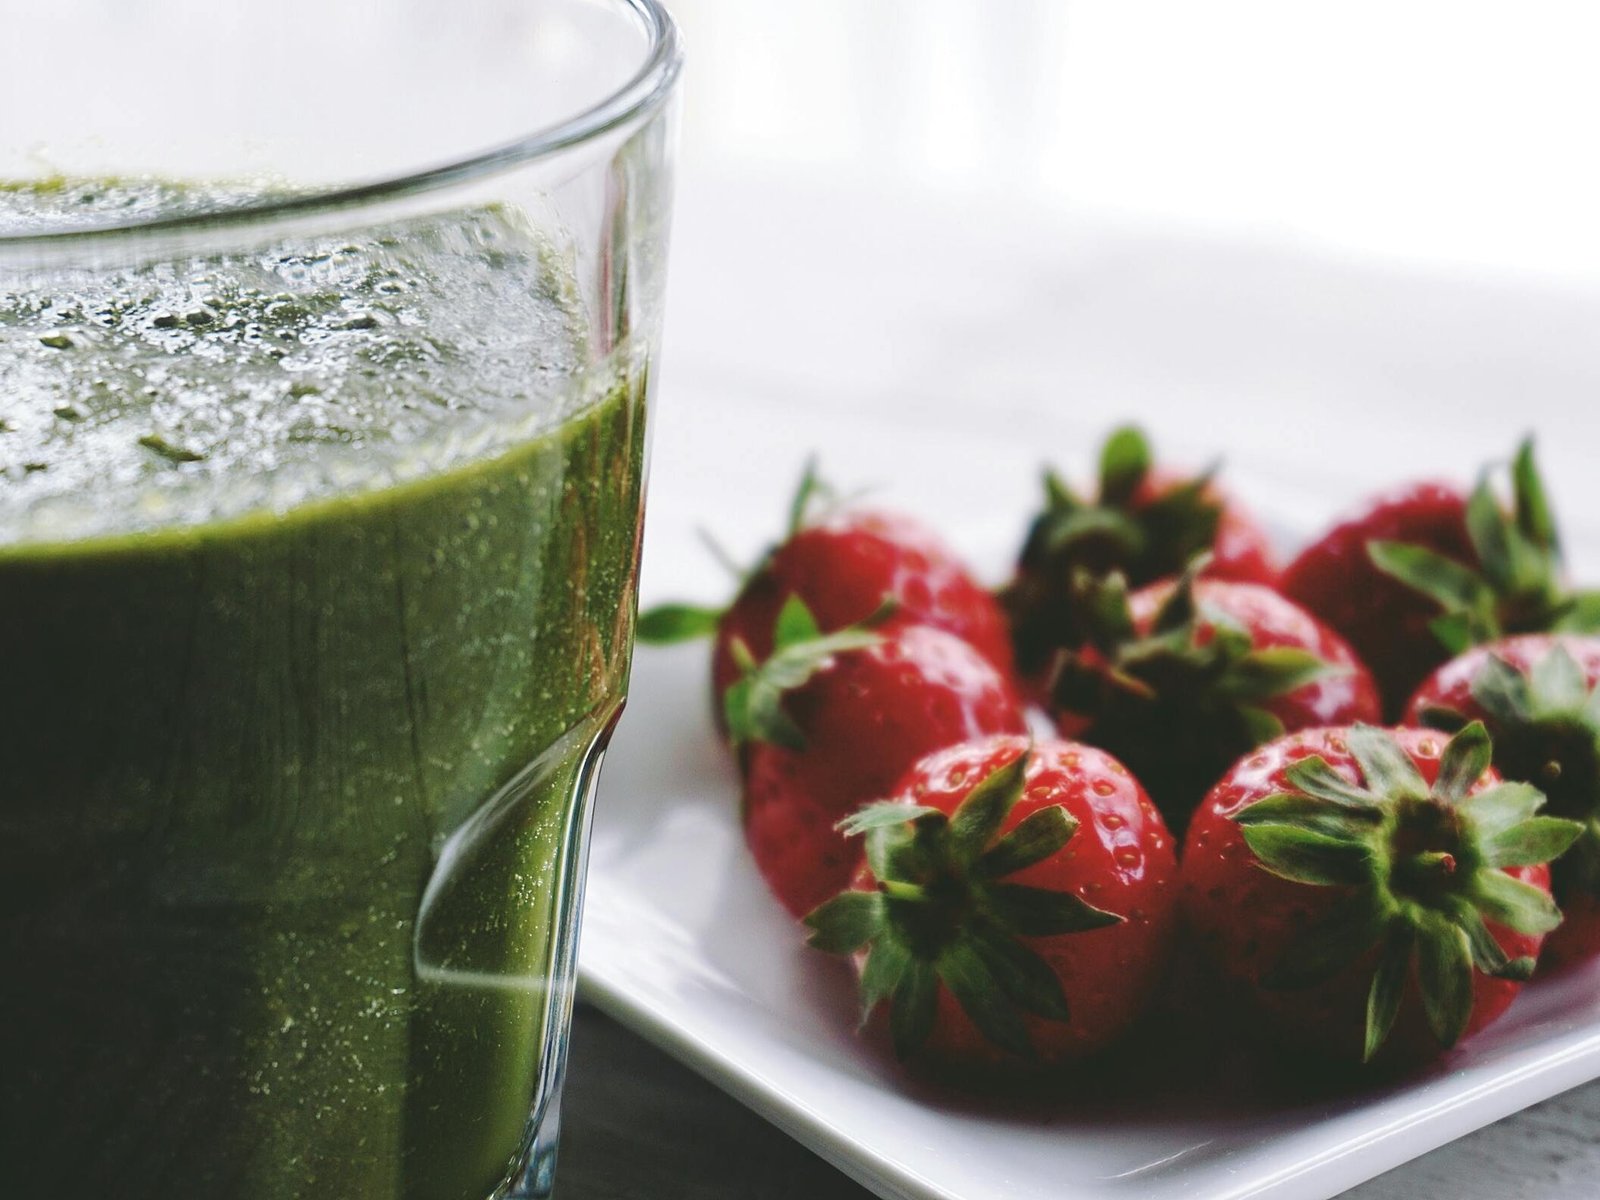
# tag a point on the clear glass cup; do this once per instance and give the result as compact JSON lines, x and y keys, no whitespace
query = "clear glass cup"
{"x":326,"y":334}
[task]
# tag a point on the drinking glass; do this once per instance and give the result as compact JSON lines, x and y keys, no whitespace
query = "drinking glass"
{"x":327,"y":336}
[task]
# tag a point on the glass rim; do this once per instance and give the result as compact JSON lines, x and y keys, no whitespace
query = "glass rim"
{"x":645,"y":90}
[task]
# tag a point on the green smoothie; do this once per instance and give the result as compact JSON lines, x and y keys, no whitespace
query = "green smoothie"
{"x":317,"y":572}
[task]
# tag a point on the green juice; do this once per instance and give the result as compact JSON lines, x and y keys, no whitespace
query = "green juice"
{"x":317,"y":573}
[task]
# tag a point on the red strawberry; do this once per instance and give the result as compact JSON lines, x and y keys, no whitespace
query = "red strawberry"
{"x":1146,"y":522}
{"x":1538,"y":695}
{"x":1426,"y":562}
{"x":1179,"y":680}
{"x":829,"y":723}
{"x":1382,"y":618}
{"x":845,"y":566}
{"x":1242,"y":542}
{"x":1016,"y":909}
{"x":1364,"y":888}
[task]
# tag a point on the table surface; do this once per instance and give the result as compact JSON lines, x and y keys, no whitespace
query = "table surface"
{"x":640,"y":1126}
{"x":896,"y":289}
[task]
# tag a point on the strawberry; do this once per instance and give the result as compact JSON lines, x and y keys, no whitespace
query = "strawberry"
{"x":1381,"y":617}
{"x":844,"y":565}
{"x":1518,"y":582}
{"x":1179,"y":680}
{"x":1016,"y":908}
{"x":1365,"y":889}
{"x":830,"y":722}
{"x":1426,"y":562}
{"x":1146,"y":522}
{"x":1538,"y":695}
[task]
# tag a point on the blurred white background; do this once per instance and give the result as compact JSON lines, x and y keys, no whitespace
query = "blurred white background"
{"x":1458,"y":132}
{"x":943,"y":241}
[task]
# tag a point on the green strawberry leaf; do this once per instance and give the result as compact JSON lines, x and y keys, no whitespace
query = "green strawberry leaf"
{"x":846,"y":923}
{"x":1491,"y":535}
{"x":736,"y":710}
{"x":1307,"y":857}
{"x":1332,"y":817}
{"x":1315,"y":777}
{"x":1487,"y":954}
{"x":887,"y":963}
{"x":913,"y":1007}
{"x":1498,"y":808}
{"x":1453,"y":585}
{"x":1458,"y":632}
{"x":1384,"y":765}
{"x":1102,"y":604}
{"x":1093,"y":525}
{"x":1388,"y":987}
{"x":1534,"y":516}
{"x":754,"y":709}
{"x":977,"y":819}
{"x":1518,"y":970}
{"x":1178,"y":612}
{"x":810,"y":489}
{"x":1035,"y":838}
{"x":1444,"y":977}
{"x":908,"y":850}
{"x":1583,"y":615}
{"x":1027,"y":980}
{"x":1179,"y":524}
{"x":1259,"y":725}
{"x":881,"y":814}
{"x":1463,"y":763}
{"x":666,"y":624}
{"x":1043,"y":912}
{"x":981,"y":997}
{"x":1502,"y":691}
{"x":1514,"y":904}
{"x":1274,"y":671}
{"x":795,"y":625}
{"x":1058,"y":496}
{"x":1124,"y":463}
{"x":753,"y":705}
{"x":1559,"y":682}
{"x":1536,"y":840}
{"x":1227,"y":630}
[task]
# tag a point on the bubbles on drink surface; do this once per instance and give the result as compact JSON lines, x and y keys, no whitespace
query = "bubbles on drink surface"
{"x":189,"y":390}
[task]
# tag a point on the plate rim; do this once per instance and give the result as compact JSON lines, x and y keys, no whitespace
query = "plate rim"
{"x":1366,"y":1156}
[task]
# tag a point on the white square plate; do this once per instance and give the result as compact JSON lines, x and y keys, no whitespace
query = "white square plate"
{"x":682,"y":942}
